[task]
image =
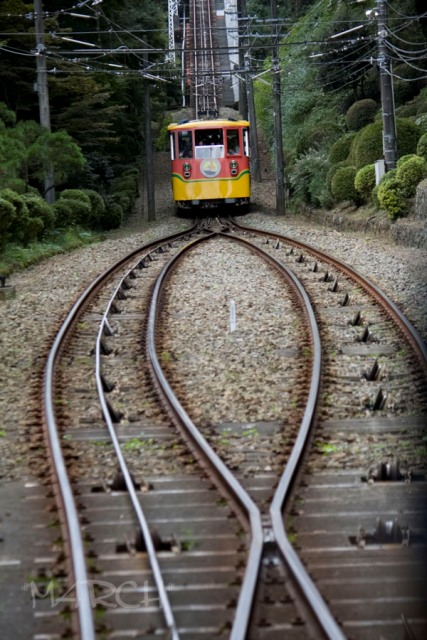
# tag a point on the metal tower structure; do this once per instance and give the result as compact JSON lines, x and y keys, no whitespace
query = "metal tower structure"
{"x":172,"y":12}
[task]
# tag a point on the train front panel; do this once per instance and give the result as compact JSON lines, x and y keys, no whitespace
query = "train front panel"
{"x":210,"y":163}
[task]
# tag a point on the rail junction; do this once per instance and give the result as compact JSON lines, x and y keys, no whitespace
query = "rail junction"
{"x":201,"y":524}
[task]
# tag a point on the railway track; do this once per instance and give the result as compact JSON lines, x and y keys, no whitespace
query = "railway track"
{"x":246,"y":519}
{"x":204,"y":62}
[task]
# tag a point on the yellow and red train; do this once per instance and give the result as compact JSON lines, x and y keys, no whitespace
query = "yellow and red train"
{"x":210,"y":163}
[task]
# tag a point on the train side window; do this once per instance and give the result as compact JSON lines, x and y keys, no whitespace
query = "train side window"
{"x":233,"y":146}
{"x":246,"y":148}
{"x":185,"y":144}
{"x":172,"y":144}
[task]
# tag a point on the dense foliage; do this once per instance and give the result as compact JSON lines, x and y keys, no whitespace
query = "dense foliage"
{"x":331,"y":99}
{"x":96,"y":111}
{"x":331,"y":104}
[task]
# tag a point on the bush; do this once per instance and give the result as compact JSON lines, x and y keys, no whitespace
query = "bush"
{"x":97,"y":206}
{"x":7,"y":213}
{"x":340,"y":150}
{"x":307,"y":178}
{"x":31,"y":230}
{"x":342,"y":185}
{"x":390,"y":198}
{"x":39,"y":208}
{"x":112,"y":217}
{"x":368,"y":144}
{"x":409,"y":175}
{"x":364,"y":181}
{"x":70,"y":212}
{"x":360,"y":114}
{"x":125,"y":199}
{"x":332,"y":171}
{"x":422,"y":146}
{"x":404,"y":159}
{"x":20,"y":214}
{"x":75,"y":194}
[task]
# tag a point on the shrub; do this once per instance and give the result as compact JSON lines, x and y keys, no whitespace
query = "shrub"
{"x":422,"y":146}
{"x":20,"y":214}
{"x":340,"y":150}
{"x":307,"y":177}
{"x":112,"y":217}
{"x":97,"y":206}
{"x":70,"y":212}
{"x":75,"y":194}
{"x":364,"y":181}
{"x":404,"y":159}
{"x":31,"y":229}
{"x":409,"y":175}
{"x":332,"y":171}
{"x":39,"y":208}
{"x":342,"y":185}
{"x":368,"y":146}
{"x":125,"y":199}
{"x":390,"y":198}
{"x":361,"y":113}
{"x":7,"y":213}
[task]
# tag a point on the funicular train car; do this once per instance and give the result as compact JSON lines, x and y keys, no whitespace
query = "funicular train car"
{"x":210,"y":163}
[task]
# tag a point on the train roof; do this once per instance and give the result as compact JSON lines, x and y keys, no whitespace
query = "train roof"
{"x":208,"y":124}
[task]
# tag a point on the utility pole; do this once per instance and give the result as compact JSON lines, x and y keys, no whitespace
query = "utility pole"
{"x":247,"y":105}
{"x":255,"y":171}
{"x":43,"y":92}
{"x":387,"y":95}
{"x":277,"y":115}
{"x":149,"y":173}
{"x":242,"y":15}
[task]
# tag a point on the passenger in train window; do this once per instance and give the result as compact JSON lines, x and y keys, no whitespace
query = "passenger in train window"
{"x":185,"y":148}
{"x":233,"y":148}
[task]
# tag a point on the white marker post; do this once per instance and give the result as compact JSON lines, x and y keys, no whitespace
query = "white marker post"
{"x":232,"y":316}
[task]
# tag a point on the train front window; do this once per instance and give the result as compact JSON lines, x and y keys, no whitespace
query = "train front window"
{"x":185,"y":144}
{"x":233,"y":145}
{"x":209,"y":143}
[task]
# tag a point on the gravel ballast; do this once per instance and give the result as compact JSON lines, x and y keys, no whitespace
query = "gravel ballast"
{"x":46,"y":291}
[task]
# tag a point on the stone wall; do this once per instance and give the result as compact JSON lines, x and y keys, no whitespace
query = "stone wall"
{"x":421,"y":200}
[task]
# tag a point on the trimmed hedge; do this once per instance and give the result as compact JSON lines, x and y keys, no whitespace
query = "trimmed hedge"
{"x":410,"y":173}
{"x":39,"y":208}
{"x":113,"y":216}
{"x":340,"y":150}
{"x":73,"y":207}
{"x":97,"y":206}
{"x":361,"y":113}
{"x":364,"y":181}
{"x":368,"y":144}
{"x":342,"y":185}
{"x":390,"y":198}
{"x":7,"y":213}
{"x":422,"y":146}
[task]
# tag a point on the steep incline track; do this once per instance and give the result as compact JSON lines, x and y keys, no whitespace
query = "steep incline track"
{"x":279,"y":507}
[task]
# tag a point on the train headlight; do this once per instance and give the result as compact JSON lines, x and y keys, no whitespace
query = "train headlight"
{"x":187,"y":169}
{"x":234,"y":167}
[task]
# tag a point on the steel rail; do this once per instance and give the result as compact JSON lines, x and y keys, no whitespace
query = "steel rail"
{"x":287,"y":480}
{"x":226,"y":481}
{"x":83,"y":618}
{"x":317,"y":605}
{"x":212,"y":58}
{"x":408,"y":329}
{"x":142,"y":521}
